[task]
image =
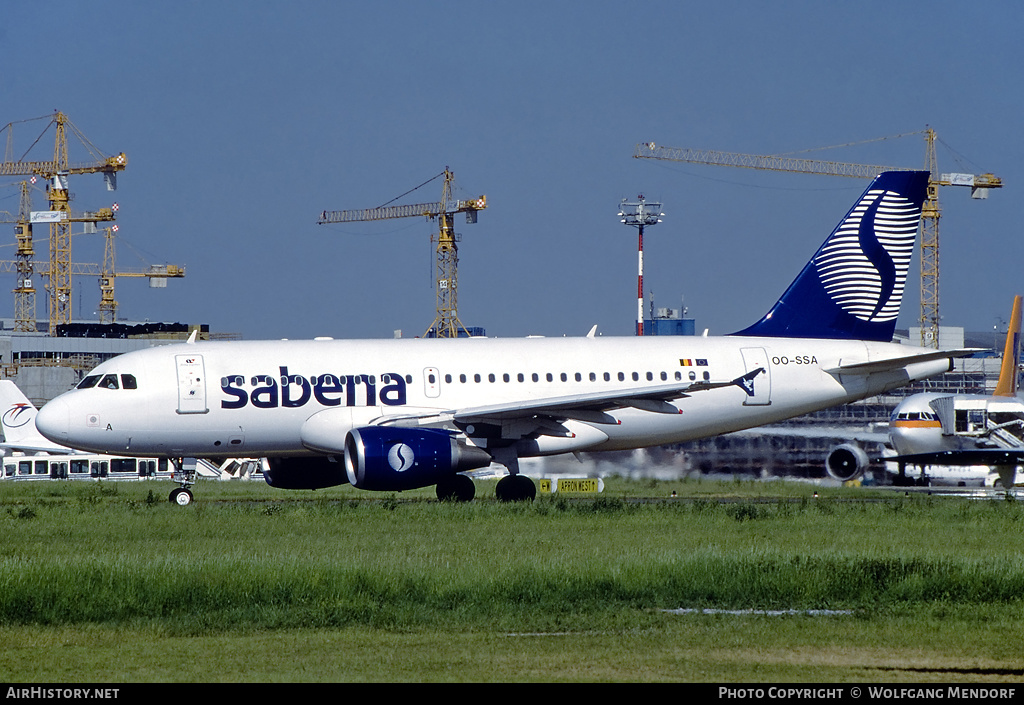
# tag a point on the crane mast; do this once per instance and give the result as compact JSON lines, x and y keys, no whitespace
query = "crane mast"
{"x":24,"y":291}
{"x":446,"y":322}
{"x":158,"y":274}
{"x":930,"y":211}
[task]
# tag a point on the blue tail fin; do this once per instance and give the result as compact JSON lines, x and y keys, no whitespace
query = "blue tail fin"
{"x":852,"y":287}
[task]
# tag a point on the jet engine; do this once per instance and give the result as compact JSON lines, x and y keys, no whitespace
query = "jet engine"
{"x":304,"y":473}
{"x":846,"y":462}
{"x":396,"y":459}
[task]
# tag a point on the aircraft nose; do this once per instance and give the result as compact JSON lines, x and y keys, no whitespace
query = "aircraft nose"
{"x":53,"y":420}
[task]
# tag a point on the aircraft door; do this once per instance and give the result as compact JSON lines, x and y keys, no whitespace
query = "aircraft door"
{"x":943,"y":408}
{"x":759,"y":390}
{"x":191,"y":384}
{"x":431,"y":382}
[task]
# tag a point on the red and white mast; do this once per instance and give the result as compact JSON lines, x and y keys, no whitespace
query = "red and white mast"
{"x":639,"y":214}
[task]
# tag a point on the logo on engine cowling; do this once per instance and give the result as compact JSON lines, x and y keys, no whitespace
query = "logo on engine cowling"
{"x":400,"y":457}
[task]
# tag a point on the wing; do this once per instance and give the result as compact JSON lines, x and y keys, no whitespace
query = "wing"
{"x":591,"y":408}
{"x":981,"y":456}
{"x":838,"y":433}
{"x":594,"y":407}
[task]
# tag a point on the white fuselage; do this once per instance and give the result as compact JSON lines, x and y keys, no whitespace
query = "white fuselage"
{"x":231,"y":399}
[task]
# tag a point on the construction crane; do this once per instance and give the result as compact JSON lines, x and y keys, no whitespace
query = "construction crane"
{"x":158,"y":274}
{"x":930,"y":212}
{"x":24,"y":291}
{"x":56,"y":173}
{"x":446,"y":322}
{"x":26,"y":267}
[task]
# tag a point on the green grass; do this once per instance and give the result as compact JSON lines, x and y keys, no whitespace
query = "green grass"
{"x":461,"y":587}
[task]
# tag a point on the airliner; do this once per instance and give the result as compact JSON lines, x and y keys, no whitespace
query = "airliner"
{"x":400,"y":414}
{"x":965,"y":435}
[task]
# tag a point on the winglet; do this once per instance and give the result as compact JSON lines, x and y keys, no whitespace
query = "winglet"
{"x":1007,"y":384}
{"x":192,"y":336}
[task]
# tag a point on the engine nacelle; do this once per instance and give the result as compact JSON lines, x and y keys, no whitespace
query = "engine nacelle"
{"x":396,"y":459}
{"x":846,"y":462}
{"x":312,"y":473}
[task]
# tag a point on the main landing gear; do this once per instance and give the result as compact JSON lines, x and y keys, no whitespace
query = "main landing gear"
{"x":515,"y":488}
{"x":903,"y":480}
{"x":460,"y":488}
{"x":457,"y":488}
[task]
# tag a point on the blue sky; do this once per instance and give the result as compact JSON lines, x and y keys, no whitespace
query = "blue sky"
{"x":242,"y":121}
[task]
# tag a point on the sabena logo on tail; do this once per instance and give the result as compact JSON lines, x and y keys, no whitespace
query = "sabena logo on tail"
{"x":853,"y":286}
{"x":863,"y":266}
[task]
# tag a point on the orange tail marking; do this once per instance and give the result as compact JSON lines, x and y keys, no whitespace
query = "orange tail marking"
{"x":1007,"y":384}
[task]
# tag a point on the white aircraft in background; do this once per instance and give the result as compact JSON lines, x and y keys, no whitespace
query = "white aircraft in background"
{"x":965,"y":436}
{"x":27,"y":455}
{"x":400,"y":414}
{"x":18,"y":424}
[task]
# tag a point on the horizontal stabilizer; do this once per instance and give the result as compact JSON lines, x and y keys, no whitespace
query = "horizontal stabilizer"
{"x":898,"y":363}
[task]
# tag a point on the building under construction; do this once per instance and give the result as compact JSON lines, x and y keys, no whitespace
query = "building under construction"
{"x":43,"y":366}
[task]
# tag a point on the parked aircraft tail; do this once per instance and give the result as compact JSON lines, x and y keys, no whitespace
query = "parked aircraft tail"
{"x":853,"y":286}
{"x":1007,"y":384}
{"x":18,"y":422}
{"x":19,"y":415}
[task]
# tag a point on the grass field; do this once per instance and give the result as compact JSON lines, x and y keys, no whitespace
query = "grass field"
{"x":111,"y":583}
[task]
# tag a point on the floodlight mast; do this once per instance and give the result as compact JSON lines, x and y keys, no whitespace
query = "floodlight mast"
{"x":638,"y":215}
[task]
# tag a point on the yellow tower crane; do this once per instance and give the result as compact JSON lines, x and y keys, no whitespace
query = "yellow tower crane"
{"x":26,"y":267}
{"x":158,"y":274}
{"x":446,"y":322}
{"x":24,"y":291}
{"x":56,"y":173}
{"x":930,"y":212}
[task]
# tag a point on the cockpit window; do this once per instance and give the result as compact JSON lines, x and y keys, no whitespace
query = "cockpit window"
{"x":108,"y":382}
{"x":89,"y":382}
{"x":128,"y":382}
